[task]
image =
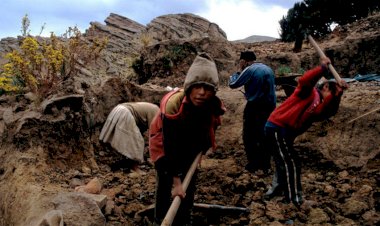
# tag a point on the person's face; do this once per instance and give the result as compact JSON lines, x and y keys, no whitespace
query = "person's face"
{"x":244,"y":63}
{"x":201,"y":94}
{"x":325,"y":91}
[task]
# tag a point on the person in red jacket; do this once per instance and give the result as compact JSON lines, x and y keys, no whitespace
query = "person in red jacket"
{"x":294,"y":116}
{"x":184,"y":127}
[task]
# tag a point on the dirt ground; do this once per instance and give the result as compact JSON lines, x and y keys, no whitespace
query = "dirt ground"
{"x":340,"y":173}
{"x":49,"y":150}
{"x":341,"y":195}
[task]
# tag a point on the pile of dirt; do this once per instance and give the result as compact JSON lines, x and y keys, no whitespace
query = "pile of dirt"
{"x":50,"y":148}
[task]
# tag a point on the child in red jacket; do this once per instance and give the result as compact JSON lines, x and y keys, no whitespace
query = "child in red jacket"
{"x":294,"y":116}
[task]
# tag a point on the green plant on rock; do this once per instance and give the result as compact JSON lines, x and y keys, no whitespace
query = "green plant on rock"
{"x":301,"y":71}
{"x":283,"y":70}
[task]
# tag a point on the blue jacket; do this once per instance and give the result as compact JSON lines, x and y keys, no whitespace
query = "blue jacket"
{"x":258,"y":81}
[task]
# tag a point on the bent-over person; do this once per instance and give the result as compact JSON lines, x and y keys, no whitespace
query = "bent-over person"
{"x":307,"y":104}
{"x":124,"y":129}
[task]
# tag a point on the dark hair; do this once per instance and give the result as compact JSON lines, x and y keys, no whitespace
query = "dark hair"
{"x":333,"y":107}
{"x":248,"y":56}
{"x":331,"y":85}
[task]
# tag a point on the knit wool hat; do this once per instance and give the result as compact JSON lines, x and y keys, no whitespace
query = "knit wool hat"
{"x":202,"y":71}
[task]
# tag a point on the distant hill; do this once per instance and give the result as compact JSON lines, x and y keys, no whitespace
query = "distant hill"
{"x":256,"y":38}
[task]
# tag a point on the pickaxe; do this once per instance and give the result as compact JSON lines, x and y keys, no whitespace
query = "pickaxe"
{"x":321,"y":54}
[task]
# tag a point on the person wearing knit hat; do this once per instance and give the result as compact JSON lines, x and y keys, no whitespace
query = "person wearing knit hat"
{"x":259,"y":91}
{"x":202,"y":71}
{"x":184,"y":127}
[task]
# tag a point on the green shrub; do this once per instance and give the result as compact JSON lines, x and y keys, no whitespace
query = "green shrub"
{"x":283,"y":70}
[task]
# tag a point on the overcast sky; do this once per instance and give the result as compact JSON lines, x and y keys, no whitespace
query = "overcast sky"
{"x":238,"y":18}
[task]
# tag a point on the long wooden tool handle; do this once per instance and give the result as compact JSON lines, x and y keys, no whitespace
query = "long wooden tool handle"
{"x":220,"y":207}
{"x":168,"y":220}
{"x":322,"y":54}
{"x":361,"y":116}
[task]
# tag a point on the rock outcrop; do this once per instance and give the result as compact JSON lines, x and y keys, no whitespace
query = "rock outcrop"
{"x":120,"y":31}
{"x":183,"y":26}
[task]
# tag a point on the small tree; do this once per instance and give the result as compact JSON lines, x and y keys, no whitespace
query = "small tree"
{"x":315,"y":17}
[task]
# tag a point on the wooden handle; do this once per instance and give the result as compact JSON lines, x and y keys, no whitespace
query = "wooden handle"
{"x":361,"y":116}
{"x":221,"y":207}
{"x":168,"y":220}
{"x":322,"y":54}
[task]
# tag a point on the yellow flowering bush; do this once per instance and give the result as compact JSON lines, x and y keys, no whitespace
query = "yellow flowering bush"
{"x":7,"y":84}
{"x":39,"y":67}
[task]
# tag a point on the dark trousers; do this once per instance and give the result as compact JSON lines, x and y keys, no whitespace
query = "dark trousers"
{"x":254,"y":119}
{"x":288,"y":165}
{"x":164,"y":184}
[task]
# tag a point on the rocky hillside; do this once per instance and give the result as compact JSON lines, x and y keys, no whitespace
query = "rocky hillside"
{"x":51,"y":147}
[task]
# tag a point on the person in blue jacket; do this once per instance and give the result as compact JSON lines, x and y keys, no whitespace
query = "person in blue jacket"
{"x":258,"y":81}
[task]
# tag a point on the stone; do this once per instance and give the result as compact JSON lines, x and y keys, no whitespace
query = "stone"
{"x":92,"y":187}
{"x":52,"y":218}
{"x":318,"y":216}
{"x":353,"y":207}
{"x":79,"y":209}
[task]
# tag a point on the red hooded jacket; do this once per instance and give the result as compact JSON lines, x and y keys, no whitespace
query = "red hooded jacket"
{"x":305,"y":105}
{"x":195,"y":134}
